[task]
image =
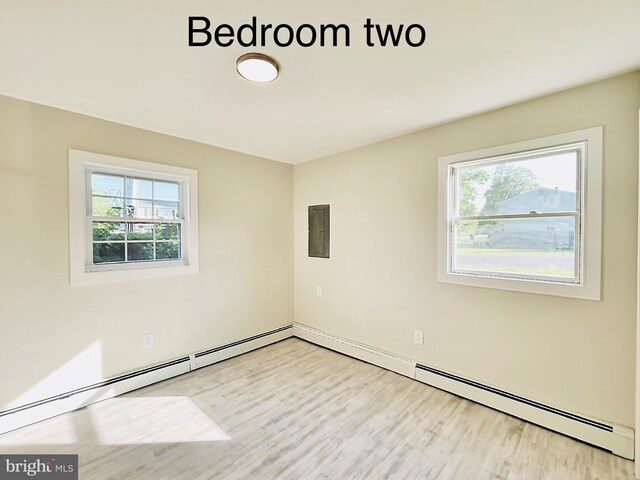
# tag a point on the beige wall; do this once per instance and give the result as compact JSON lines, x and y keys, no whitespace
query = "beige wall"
{"x":380,"y":283}
{"x":55,"y":336}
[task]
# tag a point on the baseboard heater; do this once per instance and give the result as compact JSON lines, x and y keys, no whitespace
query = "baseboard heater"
{"x":26,"y":414}
{"x":617,"y":439}
{"x":389,"y":361}
{"x":233,"y":349}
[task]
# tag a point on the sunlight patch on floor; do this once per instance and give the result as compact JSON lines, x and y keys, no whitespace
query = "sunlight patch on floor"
{"x":141,"y":420}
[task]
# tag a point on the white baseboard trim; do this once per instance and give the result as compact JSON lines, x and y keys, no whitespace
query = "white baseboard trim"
{"x":618,"y":439}
{"x":223,"y":352}
{"x":615,"y":438}
{"x":389,"y":361}
{"x":37,"y":411}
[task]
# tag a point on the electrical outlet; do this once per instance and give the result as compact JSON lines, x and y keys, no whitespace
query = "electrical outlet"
{"x":418,"y":337}
{"x":148,"y":341}
{"x":319,"y":291}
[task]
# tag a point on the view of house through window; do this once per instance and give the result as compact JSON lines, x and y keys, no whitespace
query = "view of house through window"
{"x":518,"y":216}
{"x":134,"y":219}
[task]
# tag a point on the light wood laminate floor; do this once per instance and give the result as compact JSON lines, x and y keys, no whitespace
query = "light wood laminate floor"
{"x":297,"y":411}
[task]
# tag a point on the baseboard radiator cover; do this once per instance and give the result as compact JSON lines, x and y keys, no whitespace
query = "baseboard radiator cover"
{"x":381,"y":358}
{"x":617,"y":439}
{"x":36,"y":411}
{"x":223,"y":352}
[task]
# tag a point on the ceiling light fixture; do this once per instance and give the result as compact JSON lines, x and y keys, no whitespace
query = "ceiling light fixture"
{"x":257,"y":67}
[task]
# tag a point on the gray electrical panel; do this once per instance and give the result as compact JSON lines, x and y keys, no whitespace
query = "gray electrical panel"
{"x":319,"y":231}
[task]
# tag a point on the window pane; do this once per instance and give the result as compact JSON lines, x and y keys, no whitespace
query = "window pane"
{"x":168,"y":231}
{"x":139,"y":188}
{"x":108,"y":231}
{"x":166,"y":210}
{"x":139,"y":231}
{"x":167,"y":250}
{"x":543,"y":185}
{"x":106,"y":207}
{"x":108,"y":252}
{"x":517,"y":247}
{"x":139,"y":208}
{"x":140,"y":251}
{"x":167,"y":191}
{"x":108,"y":185}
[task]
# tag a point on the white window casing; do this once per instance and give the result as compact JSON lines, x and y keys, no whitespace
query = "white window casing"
{"x":585,"y":283}
{"x":82,"y":268}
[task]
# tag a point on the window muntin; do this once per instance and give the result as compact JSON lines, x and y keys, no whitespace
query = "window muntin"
{"x":134,"y":219}
{"x":518,"y":216}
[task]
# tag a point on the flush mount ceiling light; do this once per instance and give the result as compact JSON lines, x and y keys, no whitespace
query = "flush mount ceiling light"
{"x":257,"y":67}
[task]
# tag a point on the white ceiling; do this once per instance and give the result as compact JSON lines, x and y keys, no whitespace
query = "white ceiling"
{"x":128,"y":61}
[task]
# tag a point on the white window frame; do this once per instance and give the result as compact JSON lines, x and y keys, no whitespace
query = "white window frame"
{"x":588,"y":227}
{"x":82,"y":269}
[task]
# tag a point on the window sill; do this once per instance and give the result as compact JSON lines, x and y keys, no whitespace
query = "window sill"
{"x":119,"y":274}
{"x":584,"y":291}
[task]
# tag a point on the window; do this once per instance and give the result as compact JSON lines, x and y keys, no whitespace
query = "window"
{"x":524,"y":216}
{"x":130,"y":219}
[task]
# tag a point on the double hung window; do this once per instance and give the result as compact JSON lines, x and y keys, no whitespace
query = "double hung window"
{"x":134,"y":219}
{"x":524,"y":216}
{"x":130,"y":219}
